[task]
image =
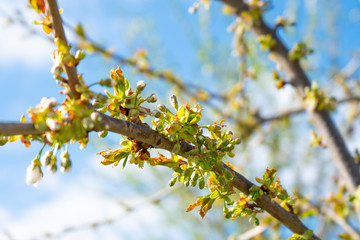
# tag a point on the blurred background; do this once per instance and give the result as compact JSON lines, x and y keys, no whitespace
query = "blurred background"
{"x":208,"y":63}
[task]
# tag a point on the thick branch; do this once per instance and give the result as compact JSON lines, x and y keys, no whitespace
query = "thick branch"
{"x":59,"y":33}
{"x":145,"y":134}
{"x":334,"y":141}
{"x":15,"y":128}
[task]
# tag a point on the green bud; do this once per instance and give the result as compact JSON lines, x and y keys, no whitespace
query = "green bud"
{"x":201,"y":182}
{"x":3,"y":140}
{"x":103,"y":133}
{"x":174,"y":102}
{"x":133,"y":114}
{"x":228,"y":175}
{"x":173,"y":181}
{"x":140,"y":86}
{"x":88,"y":124}
{"x":156,"y":113}
{"x":187,"y":173}
{"x":107,"y":82}
{"x":95,"y":116}
{"x":79,"y":54}
{"x":236,"y":141}
{"x":152,"y":98}
{"x":194,"y":178}
{"x":162,"y":108}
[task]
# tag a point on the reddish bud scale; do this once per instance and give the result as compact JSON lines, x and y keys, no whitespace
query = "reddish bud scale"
{"x":122,"y":110}
{"x":144,"y":155}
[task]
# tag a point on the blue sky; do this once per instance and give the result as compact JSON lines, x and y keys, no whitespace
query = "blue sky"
{"x":172,"y":37}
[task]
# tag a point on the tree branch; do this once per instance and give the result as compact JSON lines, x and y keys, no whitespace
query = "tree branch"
{"x":334,"y":141}
{"x":59,"y":33}
{"x":15,"y":128}
{"x":147,"y":135}
{"x":297,"y":111}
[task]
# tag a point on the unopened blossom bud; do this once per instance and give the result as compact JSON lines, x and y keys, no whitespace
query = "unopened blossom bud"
{"x":140,"y":86}
{"x":144,"y":155}
{"x":3,"y":140}
{"x":107,"y":82}
{"x":88,"y":123}
{"x":152,"y":98}
{"x":162,"y":108}
{"x":65,"y":165}
{"x":52,"y":124}
{"x":52,"y":168}
{"x":34,"y":173}
{"x":46,"y":102}
{"x":174,"y":102}
{"x":103,"y":133}
{"x":46,"y":158}
{"x":79,"y":54}
{"x":56,"y":70}
{"x":96,"y":117}
{"x":133,"y":114}
{"x":173,"y":181}
{"x":156,"y":113}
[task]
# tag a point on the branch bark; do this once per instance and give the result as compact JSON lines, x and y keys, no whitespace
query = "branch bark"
{"x":344,"y":162}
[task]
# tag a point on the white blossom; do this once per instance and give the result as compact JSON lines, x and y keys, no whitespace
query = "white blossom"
{"x":33,"y":174}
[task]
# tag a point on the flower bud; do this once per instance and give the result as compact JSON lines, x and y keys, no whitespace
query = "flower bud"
{"x":65,"y":165}
{"x":46,"y":158}
{"x":152,"y":98}
{"x":34,"y":173}
{"x":52,"y":168}
{"x":236,"y":141}
{"x":156,"y":113}
{"x":133,"y":114}
{"x":172,"y":181}
{"x":79,"y":54}
{"x":52,"y":124}
{"x":46,"y":102}
{"x":56,"y":70}
{"x":174,"y":102}
{"x":3,"y":140}
{"x":95,"y":116}
{"x":140,"y":86}
{"x":103,"y":133}
{"x":201,"y":182}
{"x":162,"y":108}
{"x":107,"y":82}
{"x":88,"y":124}
{"x":144,"y":155}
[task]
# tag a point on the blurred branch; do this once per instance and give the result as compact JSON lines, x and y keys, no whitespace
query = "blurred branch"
{"x":297,"y":111}
{"x":253,"y":232}
{"x":339,"y":220}
{"x":152,"y":199}
{"x":298,"y":78}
